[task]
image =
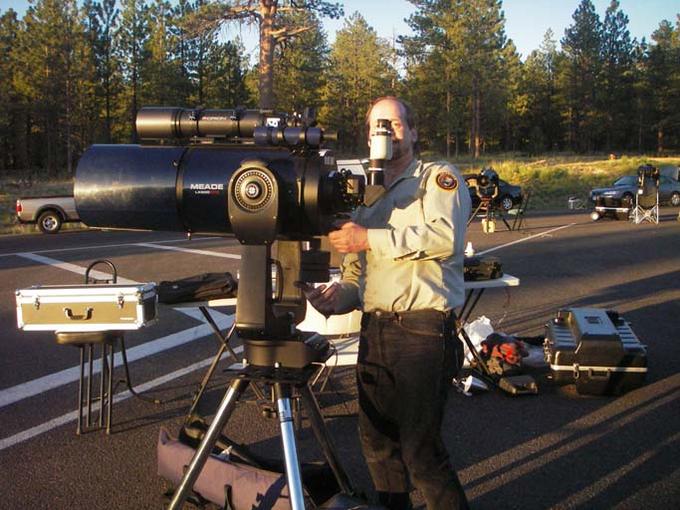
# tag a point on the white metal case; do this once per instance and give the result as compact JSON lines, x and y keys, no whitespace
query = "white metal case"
{"x":86,"y":307}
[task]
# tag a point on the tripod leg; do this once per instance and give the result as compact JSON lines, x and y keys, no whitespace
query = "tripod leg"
{"x":236,"y":388}
{"x":324,"y":439}
{"x":474,"y":213}
{"x":293,"y":474}
{"x":507,"y":225}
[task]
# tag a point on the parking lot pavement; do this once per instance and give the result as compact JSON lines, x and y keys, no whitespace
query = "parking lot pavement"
{"x":554,"y":450}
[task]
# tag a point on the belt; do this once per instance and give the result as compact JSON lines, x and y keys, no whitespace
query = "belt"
{"x":431,"y":314}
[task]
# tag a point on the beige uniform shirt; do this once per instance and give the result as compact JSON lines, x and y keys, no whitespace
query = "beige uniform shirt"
{"x":416,"y":232}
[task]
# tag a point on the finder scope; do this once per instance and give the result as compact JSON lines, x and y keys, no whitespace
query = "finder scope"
{"x":262,"y":127}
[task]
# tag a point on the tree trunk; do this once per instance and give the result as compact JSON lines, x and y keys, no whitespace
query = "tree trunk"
{"x":659,"y":139}
{"x":448,"y":119}
{"x":477,"y":121}
{"x":133,"y":106}
{"x":266,"y":71}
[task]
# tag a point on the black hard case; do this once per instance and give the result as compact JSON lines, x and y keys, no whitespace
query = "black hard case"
{"x":596,"y":349}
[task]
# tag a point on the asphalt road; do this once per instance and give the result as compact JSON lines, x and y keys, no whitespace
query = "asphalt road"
{"x":554,"y":450}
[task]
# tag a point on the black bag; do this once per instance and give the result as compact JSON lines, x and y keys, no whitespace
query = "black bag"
{"x":482,"y":268}
{"x":197,"y":288}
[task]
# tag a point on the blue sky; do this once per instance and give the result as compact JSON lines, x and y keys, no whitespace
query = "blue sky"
{"x":526,"y":20}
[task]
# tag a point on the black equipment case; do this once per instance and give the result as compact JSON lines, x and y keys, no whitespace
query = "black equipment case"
{"x":596,"y":349}
{"x":482,"y":268}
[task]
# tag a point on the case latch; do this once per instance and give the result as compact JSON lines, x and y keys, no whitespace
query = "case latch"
{"x":121,"y":300}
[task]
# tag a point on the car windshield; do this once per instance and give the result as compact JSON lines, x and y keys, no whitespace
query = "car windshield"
{"x":626,"y":180}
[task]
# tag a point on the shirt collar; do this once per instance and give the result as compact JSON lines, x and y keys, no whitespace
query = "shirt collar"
{"x":412,"y":170}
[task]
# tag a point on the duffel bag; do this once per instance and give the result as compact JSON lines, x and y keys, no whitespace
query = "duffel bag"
{"x":226,"y":483}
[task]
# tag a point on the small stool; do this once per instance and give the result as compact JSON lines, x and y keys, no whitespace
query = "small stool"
{"x":107,"y":340}
{"x":83,"y":340}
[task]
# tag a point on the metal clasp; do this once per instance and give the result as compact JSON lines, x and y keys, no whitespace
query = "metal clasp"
{"x":121,"y":300}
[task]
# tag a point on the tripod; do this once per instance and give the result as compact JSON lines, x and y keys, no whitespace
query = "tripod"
{"x":491,"y":210}
{"x":283,"y":381}
{"x":277,"y":357}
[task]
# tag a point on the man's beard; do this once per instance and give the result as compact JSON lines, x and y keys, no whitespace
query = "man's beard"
{"x":398,"y":149}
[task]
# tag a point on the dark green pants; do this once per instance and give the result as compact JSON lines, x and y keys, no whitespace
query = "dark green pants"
{"x":404,"y":370}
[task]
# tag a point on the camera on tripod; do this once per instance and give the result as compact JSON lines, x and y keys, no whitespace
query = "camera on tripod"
{"x":647,"y":177}
{"x":487,"y":183}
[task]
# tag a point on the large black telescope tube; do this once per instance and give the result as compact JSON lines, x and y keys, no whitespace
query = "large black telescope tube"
{"x":266,"y":191}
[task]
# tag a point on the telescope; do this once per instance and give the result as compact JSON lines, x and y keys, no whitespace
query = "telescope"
{"x":240,"y":172}
{"x":257,"y":175}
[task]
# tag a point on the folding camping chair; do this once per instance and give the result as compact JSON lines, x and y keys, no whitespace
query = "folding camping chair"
{"x":518,"y":212}
{"x":647,"y":203}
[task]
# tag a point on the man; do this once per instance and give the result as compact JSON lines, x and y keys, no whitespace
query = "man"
{"x":403,"y":267}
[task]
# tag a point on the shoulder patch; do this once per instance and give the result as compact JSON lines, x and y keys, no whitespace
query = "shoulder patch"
{"x":447,"y":181}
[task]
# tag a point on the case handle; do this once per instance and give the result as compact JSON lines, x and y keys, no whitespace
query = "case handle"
{"x":86,"y":317}
{"x":602,"y":375}
{"x":114,"y":278}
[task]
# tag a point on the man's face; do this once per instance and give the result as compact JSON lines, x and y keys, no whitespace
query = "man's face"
{"x":403,"y":137}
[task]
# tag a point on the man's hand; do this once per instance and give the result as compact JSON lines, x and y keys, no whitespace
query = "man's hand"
{"x":351,"y":238}
{"x":324,"y":299}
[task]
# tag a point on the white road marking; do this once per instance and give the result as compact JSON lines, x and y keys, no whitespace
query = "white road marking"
{"x":540,"y":234}
{"x":140,"y":351}
{"x":116,"y":245}
{"x":27,"y":434}
{"x":191,"y":250}
{"x":49,"y":382}
{"x":73,"y":268}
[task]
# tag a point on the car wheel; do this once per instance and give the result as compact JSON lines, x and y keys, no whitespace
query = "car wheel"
{"x":675,"y":199}
{"x":49,"y":222}
{"x":506,"y":202}
{"x":627,"y":200}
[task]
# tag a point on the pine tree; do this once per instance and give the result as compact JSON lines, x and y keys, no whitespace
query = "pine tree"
{"x":299,"y":65}
{"x":102,"y":19}
{"x":581,"y":78}
{"x":267,"y":14}
{"x":165,"y":82}
{"x":225,"y":69}
{"x":45,"y":53}
{"x":468,"y":39}
{"x":10,"y":106}
{"x":541,"y":128}
{"x":131,"y":39}
{"x":359,"y":71}
{"x":617,"y":78}
{"x":663,"y":68}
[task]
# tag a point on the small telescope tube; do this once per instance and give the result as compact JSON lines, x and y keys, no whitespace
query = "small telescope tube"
{"x":174,"y":123}
{"x":381,"y":150}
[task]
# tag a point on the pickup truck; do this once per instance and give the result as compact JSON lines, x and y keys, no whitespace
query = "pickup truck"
{"x":48,"y":212}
